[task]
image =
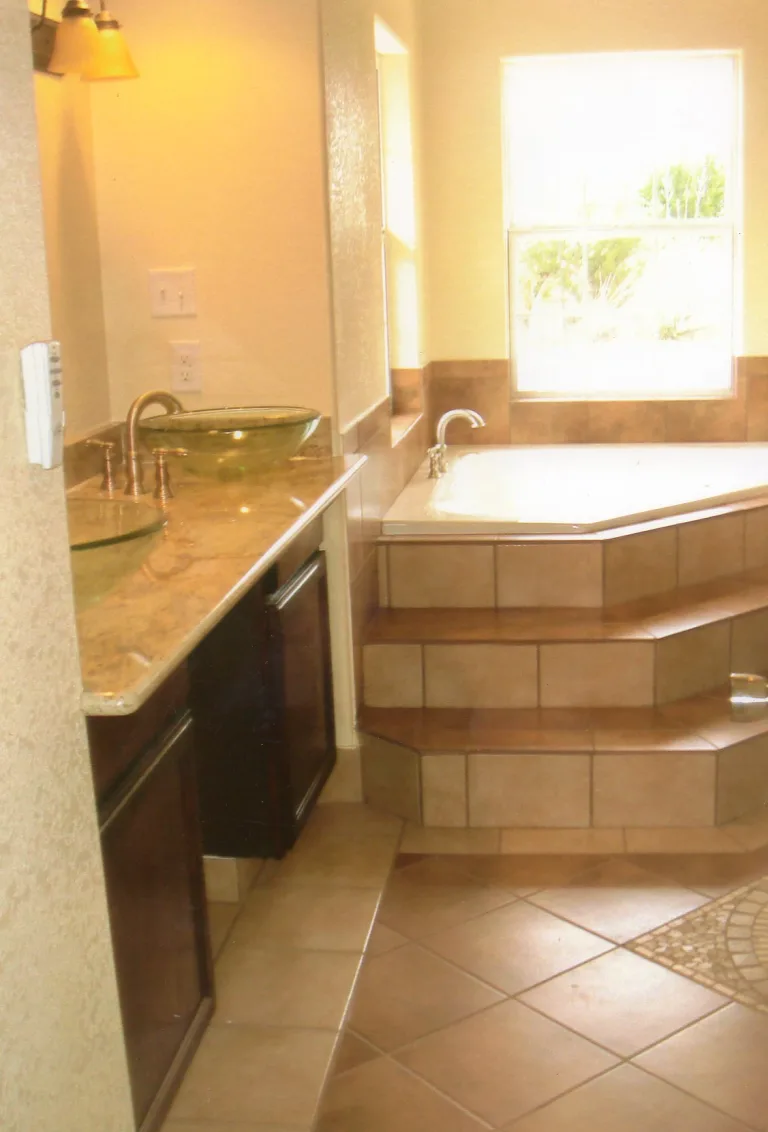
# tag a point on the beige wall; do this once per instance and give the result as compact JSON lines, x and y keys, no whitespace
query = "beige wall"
{"x":72,"y":248}
{"x":355,"y":194}
{"x":62,"y":1064}
{"x":463,"y":42}
{"x":214,"y":159}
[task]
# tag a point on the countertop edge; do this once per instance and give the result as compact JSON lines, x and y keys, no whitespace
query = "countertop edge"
{"x":117,"y":704}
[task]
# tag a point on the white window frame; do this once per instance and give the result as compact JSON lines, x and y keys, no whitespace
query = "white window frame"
{"x":731,"y":226}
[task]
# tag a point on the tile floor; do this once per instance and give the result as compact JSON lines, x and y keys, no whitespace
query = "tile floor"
{"x":505,"y":992}
{"x":286,"y":964}
{"x":529,"y":992}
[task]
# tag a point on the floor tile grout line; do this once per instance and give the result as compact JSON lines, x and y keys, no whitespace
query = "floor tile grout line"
{"x":621,"y":1059}
{"x":462,"y":971}
{"x":681,"y":1089}
{"x":550,"y":1100}
{"x":640,"y":1069}
{"x":624,"y":1057}
{"x":423,"y":943}
{"x":524,"y":990}
{"x":434,"y":1088}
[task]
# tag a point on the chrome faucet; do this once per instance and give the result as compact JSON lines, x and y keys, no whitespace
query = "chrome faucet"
{"x":437,"y":453}
{"x":134,"y":473}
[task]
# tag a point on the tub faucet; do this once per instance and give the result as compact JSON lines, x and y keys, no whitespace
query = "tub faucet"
{"x":436,"y":454}
{"x":134,"y":476}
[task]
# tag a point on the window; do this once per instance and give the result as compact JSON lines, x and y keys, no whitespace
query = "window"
{"x":622,"y":204}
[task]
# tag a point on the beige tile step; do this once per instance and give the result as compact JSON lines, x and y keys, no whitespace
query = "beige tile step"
{"x":653,"y":650}
{"x":684,"y":765}
{"x":583,"y":571}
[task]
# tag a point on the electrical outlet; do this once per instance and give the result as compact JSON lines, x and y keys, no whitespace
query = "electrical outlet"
{"x":186,"y":375}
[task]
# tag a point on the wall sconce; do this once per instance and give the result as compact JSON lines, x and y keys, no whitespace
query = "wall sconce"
{"x":95,"y":49}
{"x":113,"y":59}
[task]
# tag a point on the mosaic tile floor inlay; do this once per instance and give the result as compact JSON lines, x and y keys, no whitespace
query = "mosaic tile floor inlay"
{"x":723,"y":945}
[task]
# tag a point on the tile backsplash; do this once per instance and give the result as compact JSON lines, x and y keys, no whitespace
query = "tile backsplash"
{"x":485,"y":387}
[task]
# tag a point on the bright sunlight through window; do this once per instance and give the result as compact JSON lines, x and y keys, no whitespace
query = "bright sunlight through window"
{"x":622,"y":202}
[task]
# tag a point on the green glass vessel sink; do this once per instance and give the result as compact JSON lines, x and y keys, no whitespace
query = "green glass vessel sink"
{"x":108,"y":538}
{"x":230,"y":444}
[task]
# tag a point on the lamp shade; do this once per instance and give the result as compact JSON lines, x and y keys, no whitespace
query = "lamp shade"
{"x":77,"y":40}
{"x":112,"y":59}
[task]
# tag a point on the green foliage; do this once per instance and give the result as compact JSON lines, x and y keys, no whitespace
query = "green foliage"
{"x":555,"y":269}
{"x":686,"y":192}
{"x":551,"y":269}
{"x":566,"y":270}
{"x":612,"y":267}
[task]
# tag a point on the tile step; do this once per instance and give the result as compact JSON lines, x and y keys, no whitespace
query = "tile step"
{"x":698,"y":723}
{"x":652,"y":618}
{"x":650,"y":651}
{"x":687,"y":765}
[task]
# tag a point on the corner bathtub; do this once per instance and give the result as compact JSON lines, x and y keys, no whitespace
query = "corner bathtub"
{"x":574,"y":488}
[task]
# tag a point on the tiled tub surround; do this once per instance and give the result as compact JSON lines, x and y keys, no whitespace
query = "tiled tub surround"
{"x":491,"y":706}
{"x":652,"y":772}
{"x":485,"y":386}
{"x":394,"y":447}
{"x":648,"y":651}
{"x":604,"y":568}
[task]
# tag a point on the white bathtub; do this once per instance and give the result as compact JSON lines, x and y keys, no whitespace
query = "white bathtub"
{"x":574,"y":488}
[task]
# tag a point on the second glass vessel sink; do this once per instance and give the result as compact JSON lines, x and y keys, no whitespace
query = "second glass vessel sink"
{"x":108,"y":538}
{"x":228,"y":444}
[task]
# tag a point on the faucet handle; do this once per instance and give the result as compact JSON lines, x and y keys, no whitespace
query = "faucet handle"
{"x":437,"y":465}
{"x":163,"y":490}
{"x":109,"y":448}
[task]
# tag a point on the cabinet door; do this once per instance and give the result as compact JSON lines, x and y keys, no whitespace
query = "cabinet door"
{"x":153,"y":869}
{"x":300,"y":655}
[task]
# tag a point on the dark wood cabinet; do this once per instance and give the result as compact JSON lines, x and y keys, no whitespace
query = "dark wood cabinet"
{"x":152,"y":855}
{"x":228,"y":755}
{"x":261,"y":696}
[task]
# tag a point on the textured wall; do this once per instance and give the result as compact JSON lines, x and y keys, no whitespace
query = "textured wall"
{"x":463,"y":43}
{"x":355,"y":206}
{"x":72,"y":247}
{"x":214,"y":159}
{"x":62,"y":1066}
{"x":355,"y":195}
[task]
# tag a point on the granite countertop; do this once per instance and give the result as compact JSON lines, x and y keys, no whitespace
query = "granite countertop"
{"x":219,"y":539}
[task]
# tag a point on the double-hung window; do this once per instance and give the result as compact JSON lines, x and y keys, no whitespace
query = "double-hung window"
{"x":622,"y":193}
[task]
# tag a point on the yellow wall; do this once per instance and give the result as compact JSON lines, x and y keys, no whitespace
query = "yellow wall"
{"x":355,"y":194}
{"x":214,"y":159}
{"x":72,"y":248}
{"x":62,"y":1061}
{"x":463,"y":42}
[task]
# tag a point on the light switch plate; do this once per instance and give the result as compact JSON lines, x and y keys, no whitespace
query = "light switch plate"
{"x":172,"y":293}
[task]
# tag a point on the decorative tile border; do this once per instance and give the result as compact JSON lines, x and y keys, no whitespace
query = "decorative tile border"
{"x":723,"y":946}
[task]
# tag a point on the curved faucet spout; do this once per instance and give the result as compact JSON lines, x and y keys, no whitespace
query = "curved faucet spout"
{"x":470,"y":415}
{"x":134,"y":484}
{"x":436,"y":454}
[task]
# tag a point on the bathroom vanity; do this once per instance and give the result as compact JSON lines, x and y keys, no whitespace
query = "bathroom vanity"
{"x":210,"y":720}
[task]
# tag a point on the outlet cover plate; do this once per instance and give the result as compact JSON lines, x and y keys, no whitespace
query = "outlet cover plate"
{"x":186,"y":373}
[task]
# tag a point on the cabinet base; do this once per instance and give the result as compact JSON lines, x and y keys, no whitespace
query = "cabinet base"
{"x":160,"y":1106}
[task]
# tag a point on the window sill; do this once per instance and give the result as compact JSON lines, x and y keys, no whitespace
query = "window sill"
{"x":401,"y":425}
